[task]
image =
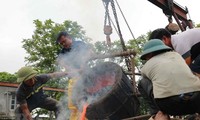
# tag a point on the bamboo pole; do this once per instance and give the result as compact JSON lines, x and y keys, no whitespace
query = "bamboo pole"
{"x":133,"y":75}
{"x":117,"y":54}
{"x":141,"y":117}
{"x":130,"y":73}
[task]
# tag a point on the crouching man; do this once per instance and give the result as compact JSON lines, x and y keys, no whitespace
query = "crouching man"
{"x":30,"y":94}
{"x":168,"y":84}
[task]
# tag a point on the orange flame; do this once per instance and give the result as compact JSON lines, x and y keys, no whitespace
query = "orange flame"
{"x":84,"y":112}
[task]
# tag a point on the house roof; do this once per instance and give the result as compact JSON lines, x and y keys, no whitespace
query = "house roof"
{"x":15,"y":85}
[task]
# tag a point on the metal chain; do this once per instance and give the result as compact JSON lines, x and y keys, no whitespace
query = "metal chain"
{"x":107,"y":16}
{"x":117,"y":22}
{"x":107,"y":26}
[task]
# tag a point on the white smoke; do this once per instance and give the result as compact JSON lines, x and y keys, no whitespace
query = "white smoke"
{"x":65,"y":112}
{"x":88,"y":87}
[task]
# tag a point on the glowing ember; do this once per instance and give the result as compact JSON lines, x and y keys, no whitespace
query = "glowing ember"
{"x":102,"y":82}
{"x":84,"y":112}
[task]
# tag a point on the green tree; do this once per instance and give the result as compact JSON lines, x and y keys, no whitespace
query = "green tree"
{"x":7,"y":77}
{"x":137,"y":45}
{"x":197,"y":25}
{"x":134,"y":44}
{"x":101,"y":47}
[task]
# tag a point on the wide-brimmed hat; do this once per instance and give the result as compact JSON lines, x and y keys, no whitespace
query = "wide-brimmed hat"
{"x":25,"y":73}
{"x":153,"y":46}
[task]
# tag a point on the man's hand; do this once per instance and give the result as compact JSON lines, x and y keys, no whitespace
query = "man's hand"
{"x":161,"y":116}
{"x":58,"y":74}
{"x":26,"y":112}
{"x":197,"y":74}
{"x":28,"y":117}
{"x":188,"y":60}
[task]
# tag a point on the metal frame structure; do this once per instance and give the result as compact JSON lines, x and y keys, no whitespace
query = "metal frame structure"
{"x":171,"y":8}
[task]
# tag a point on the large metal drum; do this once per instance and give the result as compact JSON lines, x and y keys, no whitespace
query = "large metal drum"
{"x":119,"y":102}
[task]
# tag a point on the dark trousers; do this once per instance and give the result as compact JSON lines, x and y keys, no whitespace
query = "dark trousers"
{"x":183,"y":104}
{"x":145,"y":88}
{"x":48,"y":104}
{"x":195,"y":65}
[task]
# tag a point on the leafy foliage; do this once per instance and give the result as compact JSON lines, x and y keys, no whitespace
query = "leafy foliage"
{"x":197,"y":26}
{"x":7,"y":77}
{"x":137,"y":45}
{"x":144,"y":108}
{"x":101,"y":47}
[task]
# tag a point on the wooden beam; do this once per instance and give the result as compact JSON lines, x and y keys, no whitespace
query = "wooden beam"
{"x":141,"y":117}
{"x":117,"y":54}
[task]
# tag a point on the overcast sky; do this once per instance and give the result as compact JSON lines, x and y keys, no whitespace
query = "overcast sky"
{"x":16,"y":21}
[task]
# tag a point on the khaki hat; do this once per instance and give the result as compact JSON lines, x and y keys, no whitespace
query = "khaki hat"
{"x":25,"y":73}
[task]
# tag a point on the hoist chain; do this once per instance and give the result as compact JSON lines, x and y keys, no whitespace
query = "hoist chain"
{"x":107,"y":16}
{"x":107,"y":23}
{"x":117,"y":22}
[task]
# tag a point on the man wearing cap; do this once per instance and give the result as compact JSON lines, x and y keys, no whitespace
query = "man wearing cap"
{"x":186,"y":43}
{"x":175,"y":89}
{"x":30,"y":94}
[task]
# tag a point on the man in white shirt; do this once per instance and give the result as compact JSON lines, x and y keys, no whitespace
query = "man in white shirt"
{"x":186,"y":43}
{"x":176,"y":90}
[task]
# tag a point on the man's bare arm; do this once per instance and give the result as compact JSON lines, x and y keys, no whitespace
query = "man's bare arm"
{"x":58,"y":74}
{"x":26,"y":112}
